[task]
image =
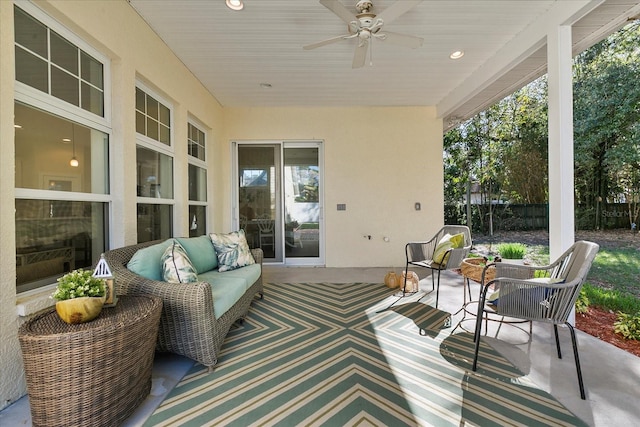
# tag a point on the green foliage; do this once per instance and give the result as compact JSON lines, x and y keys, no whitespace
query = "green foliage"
{"x":617,"y":269}
{"x":582,"y":303}
{"x":628,"y":326}
{"x":78,"y":283}
{"x":611,"y":299}
{"x":512,"y":250}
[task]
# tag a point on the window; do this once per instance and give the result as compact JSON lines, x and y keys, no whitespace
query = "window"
{"x":197,"y":181}
{"x":153,"y":118}
{"x":50,"y":63}
{"x":62,"y":194}
{"x":154,"y":158}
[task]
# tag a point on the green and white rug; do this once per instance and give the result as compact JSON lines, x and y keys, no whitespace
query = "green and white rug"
{"x":335,"y":354}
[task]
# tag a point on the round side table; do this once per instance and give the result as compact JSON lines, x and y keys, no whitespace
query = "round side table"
{"x":94,"y":373}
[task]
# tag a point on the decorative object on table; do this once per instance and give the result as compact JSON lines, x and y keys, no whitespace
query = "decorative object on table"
{"x":80,"y":296}
{"x":103,"y":271}
{"x":412,"y":282}
{"x":391,"y":280}
{"x":472,"y":268}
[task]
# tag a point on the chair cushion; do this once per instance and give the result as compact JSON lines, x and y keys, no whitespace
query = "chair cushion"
{"x":232,"y":250}
{"x":249,"y":274}
{"x":458,"y":240}
{"x":176,"y":266}
{"x":146,"y":262}
{"x":200,"y":251}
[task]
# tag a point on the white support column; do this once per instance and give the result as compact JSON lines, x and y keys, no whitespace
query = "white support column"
{"x":561,"y":183}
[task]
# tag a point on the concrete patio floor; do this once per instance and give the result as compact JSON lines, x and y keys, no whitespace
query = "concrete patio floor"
{"x":611,"y":375}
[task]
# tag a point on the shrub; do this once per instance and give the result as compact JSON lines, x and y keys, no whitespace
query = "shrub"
{"x":582,"y":303}
{"x":512,"y":250}
{"x":628,"y":326}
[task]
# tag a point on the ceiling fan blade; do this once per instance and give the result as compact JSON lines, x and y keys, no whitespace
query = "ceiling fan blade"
{"x":402,"y":39}
{"x":336,"y":7}
{"x":400,"y":7}
{"x":325,"y":42}
{"x":360,"y":55}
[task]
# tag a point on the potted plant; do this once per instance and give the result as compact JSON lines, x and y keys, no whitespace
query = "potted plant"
{"x":512,"y":251}
{"x":80,"y":296}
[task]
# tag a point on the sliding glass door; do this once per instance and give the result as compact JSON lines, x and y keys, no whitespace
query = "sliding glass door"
{"x":279,"y":200}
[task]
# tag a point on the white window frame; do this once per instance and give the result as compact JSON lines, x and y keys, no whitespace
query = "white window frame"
{"x":169,"y":150}
{"x":50,"y":104}
{"x":201,"y":164}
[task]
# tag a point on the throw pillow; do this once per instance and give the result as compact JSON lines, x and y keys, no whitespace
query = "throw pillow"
{"x":146,"y":261}
{"x":441,"y":249}
{"x":176,"y":266}
{"x":458,"y":240}
{"x":200,"y":251}
{"x":232,"y":250}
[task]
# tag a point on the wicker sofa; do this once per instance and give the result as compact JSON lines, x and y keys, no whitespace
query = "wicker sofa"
{"x":189,"y":325}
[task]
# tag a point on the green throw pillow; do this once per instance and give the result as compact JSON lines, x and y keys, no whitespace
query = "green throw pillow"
{"x":200,"y":251}
{"x":441,"y":249}
{"x":232,"y":250}
{"x":458,"y":240}
{"x":176,"y":266}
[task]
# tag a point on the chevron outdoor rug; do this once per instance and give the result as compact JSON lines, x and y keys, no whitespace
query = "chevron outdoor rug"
{"x":337,"y":354}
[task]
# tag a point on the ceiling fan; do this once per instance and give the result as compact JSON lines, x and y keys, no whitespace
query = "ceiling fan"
{"x":366,"y":26}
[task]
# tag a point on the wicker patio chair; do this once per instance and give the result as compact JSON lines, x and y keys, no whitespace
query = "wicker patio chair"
{"x":544,"y":294}
{"x":421,"y":254}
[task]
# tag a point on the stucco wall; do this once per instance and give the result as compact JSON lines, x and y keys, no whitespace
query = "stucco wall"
{"x":378,"y":161}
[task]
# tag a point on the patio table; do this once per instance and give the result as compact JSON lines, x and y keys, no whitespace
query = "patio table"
{"x":94,"y":373}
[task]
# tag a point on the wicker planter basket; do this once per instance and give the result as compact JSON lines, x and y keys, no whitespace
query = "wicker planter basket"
{"x":472,"y":268}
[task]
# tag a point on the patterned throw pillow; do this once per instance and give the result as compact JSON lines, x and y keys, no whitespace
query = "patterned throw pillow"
{"x":176,"y":266}
{"x":441,"y":249}
{"x":232,"y":250}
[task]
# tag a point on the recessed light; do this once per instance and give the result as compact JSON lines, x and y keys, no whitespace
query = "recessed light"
{"x":235,"y":4}
{"x":457,"y":54}
{"x":17,"y":126}
{"x":66,"y":140}
{"x":265,"y":85}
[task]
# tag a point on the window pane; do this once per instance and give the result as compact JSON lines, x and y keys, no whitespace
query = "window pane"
{"x":152,"y":128}
{"x":154,"y":222}
{"x":197,"y":184}
{"x":141,"y":103}
{"x":92,"y":99}
{"x":30,"y":33}
{"x":65,"y":86}
{"x":92,"y":70}
{"x":152,"y":107}
{"x":155,"y":174}
{"x":165,"y":136}
{"x":195,"y":143}
{"x":64,"y":54}
{"x":31,"y":70}
{"x":46,"y":143}
{"x":197,"y":221}
{"x":54,"y":237}
{"x":141,"y":122}
{"x":165,"y":115}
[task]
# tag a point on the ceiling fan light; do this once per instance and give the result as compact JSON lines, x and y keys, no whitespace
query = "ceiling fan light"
{"x":234,"y":4}
{"x":457,"y":54}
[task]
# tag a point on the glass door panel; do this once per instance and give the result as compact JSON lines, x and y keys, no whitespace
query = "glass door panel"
{"x":301,"y":202}
{"x":259,"y":197}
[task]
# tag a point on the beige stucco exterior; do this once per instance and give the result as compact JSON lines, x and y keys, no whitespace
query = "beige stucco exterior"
{"x":378,"y":161}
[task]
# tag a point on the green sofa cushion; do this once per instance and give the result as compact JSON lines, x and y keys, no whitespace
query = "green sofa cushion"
{"x":249,"y":274}
{"x":147,"y":262}
{"x":201,"y":252}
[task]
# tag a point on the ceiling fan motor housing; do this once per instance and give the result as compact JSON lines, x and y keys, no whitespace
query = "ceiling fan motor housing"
{"x":364,"y":6}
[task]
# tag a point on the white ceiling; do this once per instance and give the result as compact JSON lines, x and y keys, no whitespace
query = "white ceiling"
{"x":232,"y":53}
